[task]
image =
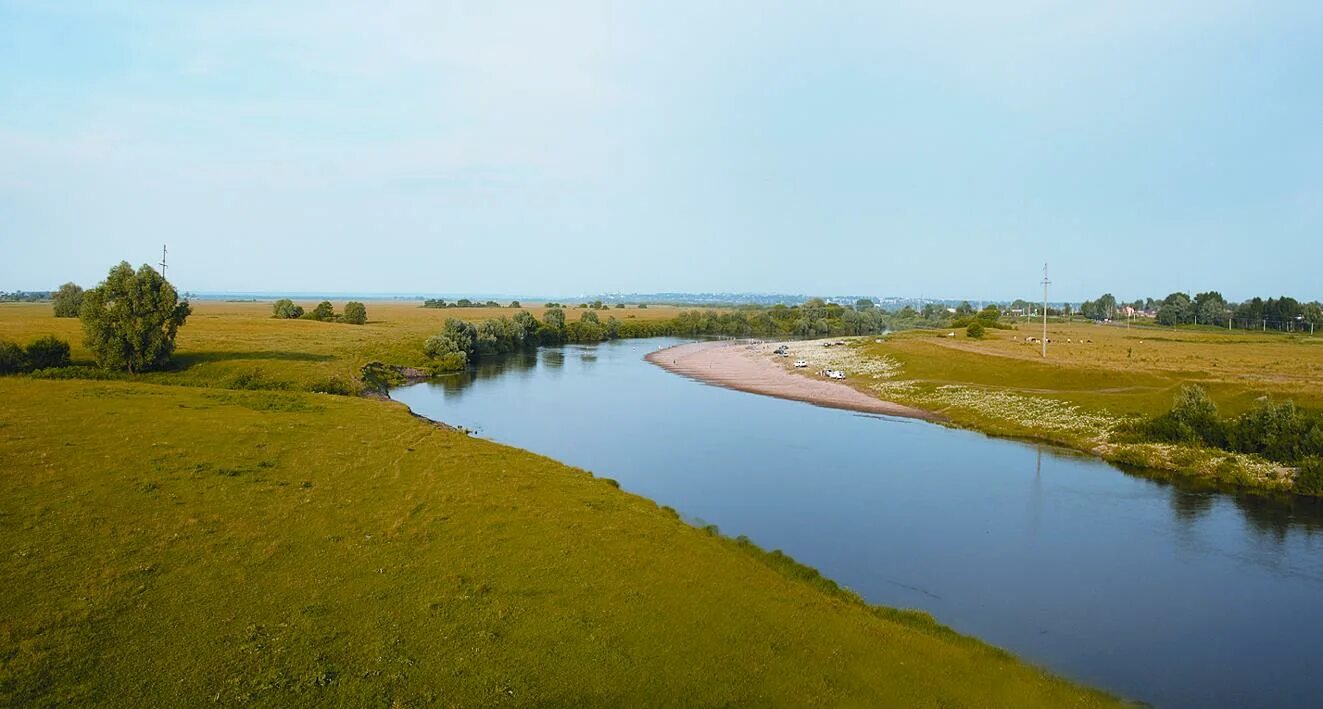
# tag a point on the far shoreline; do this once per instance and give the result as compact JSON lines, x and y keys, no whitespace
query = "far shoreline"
{"x":727,"y":364}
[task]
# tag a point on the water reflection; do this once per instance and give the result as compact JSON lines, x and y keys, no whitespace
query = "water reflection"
{"x":1160,"y":589}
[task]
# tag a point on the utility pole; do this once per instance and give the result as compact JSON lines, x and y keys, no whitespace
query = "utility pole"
{"x":1046,"y":283}
{"x":162,"y":261}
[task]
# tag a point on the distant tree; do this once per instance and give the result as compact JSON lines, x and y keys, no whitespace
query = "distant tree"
{"x":964,"y":310}
{"x":643,"y":306}
{"x":1175,"y":310}
{"x":863,"y":304}
{"x":324,"y":311}
{"x":11,"y":357}
{"x":974,"y":330}
{"x":463,"y":303}
{"x":526,"y":321}
{"x":451,"y":348}
{"x":1107,"y":306}
{"x":355,"y":313}
{"x":514,"y":304}
{"x":46,"y":353}
{"x":131,"y":319}
{"x":554,"y":318}
{"x":589,"y":316}
{"x":285,"y":308}
{"x":67,"y":300}
{"x":620,"y":306}
{"x":1209,"y":307}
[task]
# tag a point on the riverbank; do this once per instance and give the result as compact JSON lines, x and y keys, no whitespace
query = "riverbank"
{"x":309,"y":548}
{"x":1096,"y":381}
{"x":738,"y":365}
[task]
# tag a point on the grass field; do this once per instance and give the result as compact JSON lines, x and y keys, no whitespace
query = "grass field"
{"x":179,"y":545}
{"x":1095,"y":378}
{"x":240,"y":345}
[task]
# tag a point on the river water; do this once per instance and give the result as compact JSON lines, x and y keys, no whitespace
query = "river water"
{"x":1156,"y":591}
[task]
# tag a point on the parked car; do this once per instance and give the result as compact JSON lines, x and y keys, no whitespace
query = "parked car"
{"x":801,"y":363}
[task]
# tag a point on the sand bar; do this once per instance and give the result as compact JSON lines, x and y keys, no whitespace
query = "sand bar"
{"x":736,"y":366}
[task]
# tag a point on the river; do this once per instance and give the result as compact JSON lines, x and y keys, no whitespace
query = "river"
{"x":1157,"y":591}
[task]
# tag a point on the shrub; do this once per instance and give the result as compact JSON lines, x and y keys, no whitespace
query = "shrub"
{"x":333,"y":385}
{"x":324,"y":311}
{"x":355,"y":313}
{"x":1192,"y":419}
{"x":974,"y":330}
{"x":11,"y":357}
{"x":47,"y":352}
{"x":285,"y":308}
{"x":1309,"y":476}
{"x":1277,"y":431}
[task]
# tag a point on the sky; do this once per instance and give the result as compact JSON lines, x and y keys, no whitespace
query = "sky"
{"x":945,"y":149}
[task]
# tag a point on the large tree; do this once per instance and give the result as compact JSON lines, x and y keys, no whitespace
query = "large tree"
{"x":130,"y":320}
{"x":68,"y":300}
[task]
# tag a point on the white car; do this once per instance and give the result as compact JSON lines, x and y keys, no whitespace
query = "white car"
{"x":801,"y":363}
{"x":834,"y":373}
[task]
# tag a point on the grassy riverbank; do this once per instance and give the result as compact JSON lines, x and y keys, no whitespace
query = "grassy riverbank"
{"x":176,"y":545}
{"x":1095,"y":379}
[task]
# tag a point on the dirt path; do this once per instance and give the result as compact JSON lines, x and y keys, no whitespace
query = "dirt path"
{"x":732,"y":365}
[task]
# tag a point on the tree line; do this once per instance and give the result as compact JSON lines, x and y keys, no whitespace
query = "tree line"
{"x":460,"y":341}
{"x":355,"y":313}
{"x":1211,"y":308}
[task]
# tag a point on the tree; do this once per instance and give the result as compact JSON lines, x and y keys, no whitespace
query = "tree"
{"x":68,"y":300}
{"x":11,"y":357}
{"x":131,"y":319}
{"x":285,"y":308}
{"x":974,"y":330}
{"x":1107,"y":306}
{"x":324,"y":311}
{"x":1176,"y":309}
{"x":863,"y":304}
{"x":514,"y":304}
{"x":964,"y":310}
{"x":589,"y":316}
{"x":554,"y":318}
{"x":355,"y":313}
{"x":451,"y":348}
{"x":47,"y":353}
{"x":1209,"y":307}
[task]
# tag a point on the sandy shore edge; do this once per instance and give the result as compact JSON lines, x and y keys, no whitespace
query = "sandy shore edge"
{"x":734,"y":366}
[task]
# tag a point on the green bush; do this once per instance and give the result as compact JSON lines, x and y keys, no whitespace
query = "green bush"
{"x":974,"y":330}
{"x":324,"y":311}
{"x":47,"y":352}
{"x":355,"y":313}
{"x":286,"y":309}
{"x":1192,"y":419}
{"x":333,"y":385}
{"x":1309,"y":476}
{"x":11,"y":357}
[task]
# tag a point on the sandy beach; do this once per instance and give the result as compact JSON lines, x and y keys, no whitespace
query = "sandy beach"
{"x":737,"y":366}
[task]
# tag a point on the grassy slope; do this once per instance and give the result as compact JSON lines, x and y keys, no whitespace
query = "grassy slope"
{"x":1121,"y":373}
{"x":175,"y":545}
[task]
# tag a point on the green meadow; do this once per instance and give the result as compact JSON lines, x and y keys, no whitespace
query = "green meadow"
{"x":218,"y":533}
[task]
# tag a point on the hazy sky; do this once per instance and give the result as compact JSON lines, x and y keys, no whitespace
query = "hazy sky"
{"x":947,"y":149}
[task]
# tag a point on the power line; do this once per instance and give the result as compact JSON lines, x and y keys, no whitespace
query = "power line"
{"x":1046,"y":283}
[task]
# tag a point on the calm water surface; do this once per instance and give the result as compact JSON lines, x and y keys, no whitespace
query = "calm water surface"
{"x":1174,"y":596}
